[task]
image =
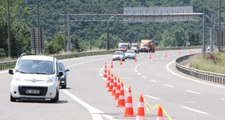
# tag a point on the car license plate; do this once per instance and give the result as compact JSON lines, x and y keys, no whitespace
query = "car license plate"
{"x":32,"y":91}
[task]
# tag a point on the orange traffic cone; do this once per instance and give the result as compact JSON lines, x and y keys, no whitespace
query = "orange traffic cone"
{"x":105,"y":73}
{"x":150,"y":56}
{"x":121,"y":100}
{"x":135,"y":59}
{"x":179,"y":53}
{"x":160,"y":113}
{"x":121,"y":61}
{"x":117,"y":89}
{"x":111,"y":84}
{"x":129,"y":112}
{"x":190,"y":52}
{"x":109,"y":72}
{"x":114,"y":86}
{"x":111,"y":64}
{"x":141,"y":110}
{"x":105,"y":65}
{"x":107,"y":81}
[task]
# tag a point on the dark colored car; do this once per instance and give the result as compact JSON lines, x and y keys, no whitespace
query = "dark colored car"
{"x":63,"y":79}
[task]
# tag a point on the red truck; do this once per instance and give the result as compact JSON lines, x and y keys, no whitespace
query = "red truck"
{"x":147,"y":46}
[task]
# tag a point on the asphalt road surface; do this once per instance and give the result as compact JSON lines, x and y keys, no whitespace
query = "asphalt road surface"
{"x":86,"y":97}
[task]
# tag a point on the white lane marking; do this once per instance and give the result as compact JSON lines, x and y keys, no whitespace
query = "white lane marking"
{"x":101,"y":75}
{"x":151,"y":97}
{"x":190,"y":91}
{"x":144,"y":77}
{"x":96,"y":114}
{"x":223,"y":99}
{"x":197,"y":81}
{"x":194,"y":110}
{"x":139,"y":73}
{"x":153,"y":81}
{"x":167,"y":85}
{"x":125,"y":88}
{"x":146,"y":61}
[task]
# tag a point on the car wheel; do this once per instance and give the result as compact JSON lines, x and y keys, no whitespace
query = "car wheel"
{"x":56,"y":98}
{"x":64,"y":86}
{"x":12,"y":99}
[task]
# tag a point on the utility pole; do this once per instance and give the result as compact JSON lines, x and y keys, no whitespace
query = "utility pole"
{"x":107,"y":34}
{"x":219,"y":35}
{"x":203,"y":36}
{"x":65,"y":24}
{"x":9,"y":31}
{"x":69,"y":45}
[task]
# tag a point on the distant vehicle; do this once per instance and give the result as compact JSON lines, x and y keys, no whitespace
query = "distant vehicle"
{"x":130,"y":54}
{"x":35,"y":77}
{"x":63,"y":79}
{"x":119,"y":55}
{"x":135,"y":47}
{"x":147,"y":46}
{"x":123,"y":46}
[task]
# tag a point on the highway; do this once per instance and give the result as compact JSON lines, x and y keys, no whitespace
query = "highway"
{"x":86,"y":98}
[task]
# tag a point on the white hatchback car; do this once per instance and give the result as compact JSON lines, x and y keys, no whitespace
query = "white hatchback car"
{"x":35,"y":77}
{"x":130,"y":54}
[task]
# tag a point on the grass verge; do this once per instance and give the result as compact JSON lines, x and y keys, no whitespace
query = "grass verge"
{"x":212,"y":62}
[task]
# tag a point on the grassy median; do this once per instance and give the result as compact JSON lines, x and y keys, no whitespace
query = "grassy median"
{"x":213,"y":62}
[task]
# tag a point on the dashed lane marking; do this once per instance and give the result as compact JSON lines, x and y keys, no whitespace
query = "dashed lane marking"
{"x":195,"y":110}
{"x":167,"y":85}
{"x":148,"y":96}
{"x":153,"y":81}
{"x":190,"y":91}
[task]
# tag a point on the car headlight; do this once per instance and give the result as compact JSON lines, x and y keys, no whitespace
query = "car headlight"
{"x":49,"y":81}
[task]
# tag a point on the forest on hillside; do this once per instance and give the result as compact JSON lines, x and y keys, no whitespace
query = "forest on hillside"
{"x":86,"y":35}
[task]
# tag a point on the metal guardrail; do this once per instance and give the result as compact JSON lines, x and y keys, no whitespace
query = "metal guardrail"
{"x":204,"y":75}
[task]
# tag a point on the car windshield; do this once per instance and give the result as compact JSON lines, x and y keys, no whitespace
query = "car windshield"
{"x":134,"y":45}
{"x":118,"y":53}
{"x":123,"y":46}
{"x":35,"y":67}
{"x":130,"y":51}
{"x":61,"y":67}
{"x":145,"y":45}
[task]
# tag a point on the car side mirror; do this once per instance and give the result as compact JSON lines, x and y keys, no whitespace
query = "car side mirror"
{"x":67,"y":70}
{"x":11,"y":72}
{"x":60,"y":74}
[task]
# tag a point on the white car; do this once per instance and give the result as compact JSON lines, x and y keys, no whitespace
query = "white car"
{"x":118,"y":55}
{"x":135,"y":49}
{"x":35,"y":77}
{"x":130,"y":54}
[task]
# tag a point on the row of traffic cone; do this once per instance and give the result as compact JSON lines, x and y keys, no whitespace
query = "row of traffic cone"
{"x":116,"y":87}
